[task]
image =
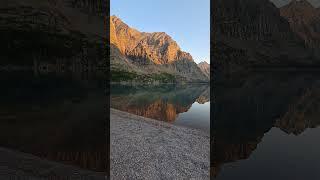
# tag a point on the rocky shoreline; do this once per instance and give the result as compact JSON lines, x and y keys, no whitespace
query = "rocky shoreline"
{"x":144,"y":148}
{"x":18,"y":165}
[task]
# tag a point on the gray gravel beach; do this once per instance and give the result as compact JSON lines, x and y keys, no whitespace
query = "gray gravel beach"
{"x":143,"y":148}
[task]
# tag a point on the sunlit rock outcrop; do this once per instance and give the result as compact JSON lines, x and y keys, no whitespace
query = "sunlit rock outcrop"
{"x":150,"y":53}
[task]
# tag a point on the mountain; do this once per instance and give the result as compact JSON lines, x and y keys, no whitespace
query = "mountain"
{"x":205,"y":68}
{"x":55,"y":33}
{"x":304,"y":20}
{"x":250,"y":34}
{"x":149,"y":55}
{"x":280,"y":3}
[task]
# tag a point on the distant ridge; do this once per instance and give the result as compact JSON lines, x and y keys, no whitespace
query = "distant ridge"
{"x":281,"y":3}
{"x":205,"y":68}
{"x":252,"y":34}
{"x":304,"y":20}
{"x":150,"y":53}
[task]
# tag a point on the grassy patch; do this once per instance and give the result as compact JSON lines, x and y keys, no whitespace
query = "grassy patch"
{"x":164,"y":77}
{"x":120,"y":75}
{"x":126,"y":76}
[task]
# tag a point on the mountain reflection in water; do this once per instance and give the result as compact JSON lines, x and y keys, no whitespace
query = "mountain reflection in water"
{"x":177,"y":104}
{"x":58,"y":118}
{"x":266,"y":121}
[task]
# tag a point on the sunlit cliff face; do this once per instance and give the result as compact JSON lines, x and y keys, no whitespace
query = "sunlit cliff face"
{"x":132,"y":50}
{"x":158,"y":47}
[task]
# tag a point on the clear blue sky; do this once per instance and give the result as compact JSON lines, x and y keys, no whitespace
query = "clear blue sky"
{"x":186,"y":21}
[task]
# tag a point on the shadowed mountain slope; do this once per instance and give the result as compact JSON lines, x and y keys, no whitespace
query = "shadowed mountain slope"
{"x":304,"y":20}
{"x":250,"y":34}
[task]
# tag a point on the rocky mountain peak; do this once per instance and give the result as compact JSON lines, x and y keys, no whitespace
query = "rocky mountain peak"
{"x":304,"y":20}
{"x":205,"y":68}
{"x":118,"y":22}
{"x":299,"y":10}
{"x":157,"y":47}
{"x":204,"y":63}
{"x":300,"y":3}
{"x":153,"y":54}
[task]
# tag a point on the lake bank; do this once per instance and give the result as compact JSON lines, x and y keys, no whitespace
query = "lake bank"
{"x":134,"y":83}
{"x":17,"y":165}
{"x":144,"y":148}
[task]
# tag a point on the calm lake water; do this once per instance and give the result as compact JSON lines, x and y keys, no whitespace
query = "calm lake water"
{"x":266,"y":127}
{"x":60,"y":118}
{"x":183,"y":105}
